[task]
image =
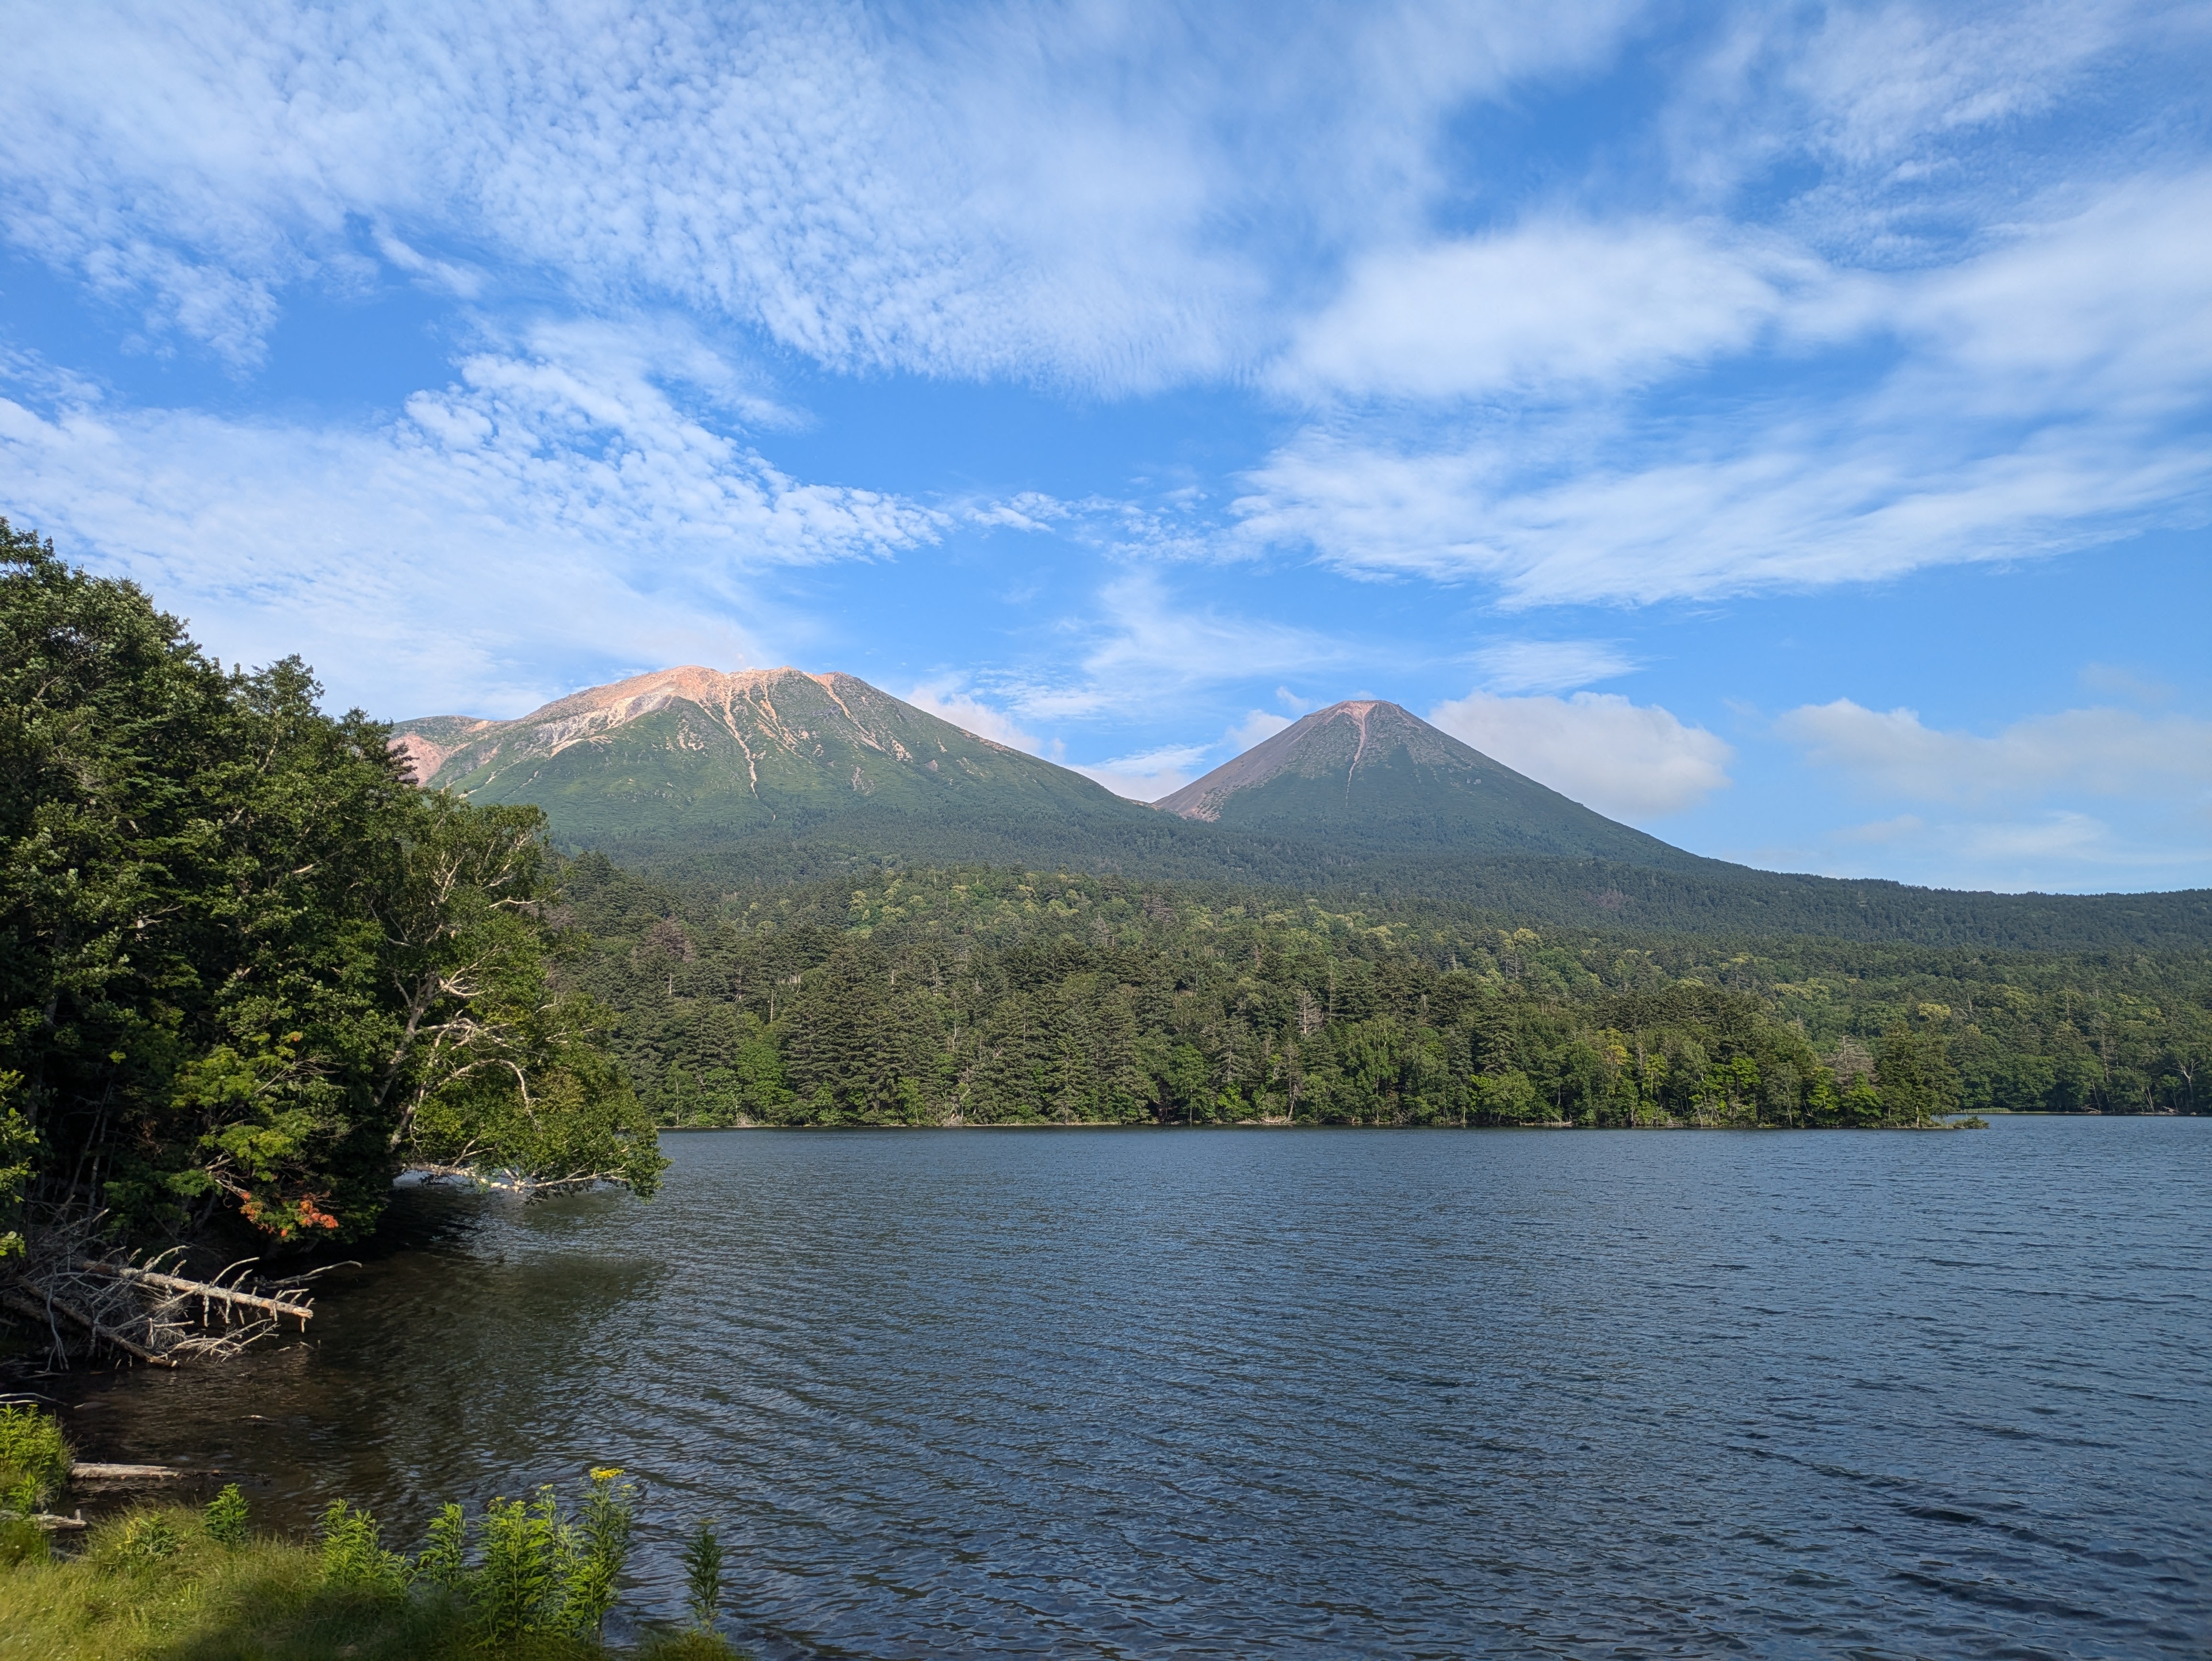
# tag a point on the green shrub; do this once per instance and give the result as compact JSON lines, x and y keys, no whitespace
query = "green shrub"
{"x":443,"y":1562}
{"x":354,"y":1553}
{"x":148,"y":1537}
{"x":21,"y":1540}
{"x":703,"y":1574}
{"x":226,"y":1516}
{"x":545,"y":1574}
{"x":601,"y":1542}
{"x":521,"y":1587}
{"x":34,"y":1460}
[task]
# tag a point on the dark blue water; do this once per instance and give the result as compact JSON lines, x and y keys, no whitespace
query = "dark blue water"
{"x":1393,"y":1393}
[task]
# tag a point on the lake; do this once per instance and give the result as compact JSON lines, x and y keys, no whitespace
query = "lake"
{"x":1309,"y":1393}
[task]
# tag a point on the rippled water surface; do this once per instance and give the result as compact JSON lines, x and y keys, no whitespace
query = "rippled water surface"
{"x":1313,"y":1394}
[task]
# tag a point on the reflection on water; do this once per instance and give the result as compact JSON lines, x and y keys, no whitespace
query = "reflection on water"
{"x":1317,"y":1394}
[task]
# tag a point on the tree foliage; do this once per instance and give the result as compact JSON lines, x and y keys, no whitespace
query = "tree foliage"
{"x":992,"y":996}
{"x":245,"y":966}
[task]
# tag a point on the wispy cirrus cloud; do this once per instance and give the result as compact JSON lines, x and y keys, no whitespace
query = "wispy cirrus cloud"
{"x":1549,"y":666}
{"x":1547,"y":308}
{"x":1145,"y":644}
{"x":2038,"y":397}
{"x":556,"y":501}
{"x":1044,"y":193}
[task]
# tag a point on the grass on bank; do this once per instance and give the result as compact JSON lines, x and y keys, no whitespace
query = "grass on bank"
{"x":529,"y":1579}
{"x":156,"y":1585}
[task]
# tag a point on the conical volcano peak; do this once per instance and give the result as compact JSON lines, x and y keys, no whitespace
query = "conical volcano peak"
{"x":1373,"y":773}
{"x":1338,"y":742}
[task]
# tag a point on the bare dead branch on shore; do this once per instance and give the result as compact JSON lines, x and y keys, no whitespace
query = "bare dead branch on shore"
{"x":139,"y":1310}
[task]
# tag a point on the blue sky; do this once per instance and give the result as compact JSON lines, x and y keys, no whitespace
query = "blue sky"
{"x":1782,"y":427}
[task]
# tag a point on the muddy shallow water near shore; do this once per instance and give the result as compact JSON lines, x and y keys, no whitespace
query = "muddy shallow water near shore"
{"x":1311,"y":1394}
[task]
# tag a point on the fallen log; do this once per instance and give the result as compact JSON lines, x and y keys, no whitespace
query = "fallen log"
{"x":49,"y":1522}
{"x":86,"y":1471}
{"x":204,"y":1290}
{"x":37,"y":1312}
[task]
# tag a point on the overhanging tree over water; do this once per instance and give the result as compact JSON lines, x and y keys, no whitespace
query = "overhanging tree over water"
{"x":246,"y":968}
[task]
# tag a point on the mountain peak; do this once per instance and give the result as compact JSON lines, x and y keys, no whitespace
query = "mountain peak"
{"x":597,"y":711}
{"x":1373,"y":772}
{"x":700,"y":751}
{"x":1335,"y":741}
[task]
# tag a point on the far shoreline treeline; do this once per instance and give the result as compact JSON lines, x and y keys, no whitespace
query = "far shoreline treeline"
{"x":987,"y":996}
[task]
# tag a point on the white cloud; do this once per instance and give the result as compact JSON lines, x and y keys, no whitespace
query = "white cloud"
{"x":1892,"y":112}
{"x":1089,"y":193}
{"x":2097,"y":751}
{"x":2056,"y":836}
{"x":2112,"y":678}
{"x":1149,"y":644}
{"x":1548,"y":303}
{"x":1257,"y":727}
{"x":554,"y":504}
{"x":1149,"y":777}
{"x":1162,"y":772}
{"x":1902,"y":827}
{"x":949,"y":701}
{"x":2046,"y":403}
{"x":2051,"y":849}
{"x":462,"y":281}
{"x":1881,"y":82}
{"x":2105,"y":310}
{"x":1549,"y":666}
{"x":1634,"y":762}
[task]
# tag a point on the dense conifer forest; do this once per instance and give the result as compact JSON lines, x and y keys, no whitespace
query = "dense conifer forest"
{"x":988,"y":995}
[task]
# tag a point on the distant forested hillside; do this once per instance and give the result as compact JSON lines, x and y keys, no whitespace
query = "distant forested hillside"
{"x":993,"y":995}
{"x":1712,"y":897}
{"x":763,"y":777}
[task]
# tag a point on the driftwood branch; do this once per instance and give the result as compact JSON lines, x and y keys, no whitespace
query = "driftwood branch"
{"x":205,"y":1291}
{"x":509,"y":1181}
{"x":137,"y":1309}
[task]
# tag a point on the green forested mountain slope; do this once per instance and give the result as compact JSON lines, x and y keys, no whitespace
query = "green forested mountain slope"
{"x":1371,"y":776}
{"x":750,"y":780}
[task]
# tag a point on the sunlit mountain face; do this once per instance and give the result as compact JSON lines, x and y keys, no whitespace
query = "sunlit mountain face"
{"x":747,"y":778}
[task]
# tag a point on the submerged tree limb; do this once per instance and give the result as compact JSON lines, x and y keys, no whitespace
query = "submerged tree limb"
{"x":205,"y":1291}
{"x":69,"y":1274}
